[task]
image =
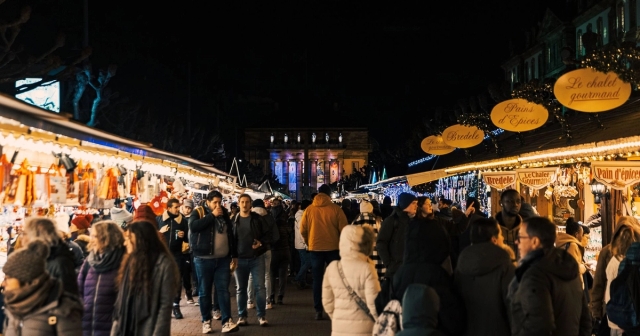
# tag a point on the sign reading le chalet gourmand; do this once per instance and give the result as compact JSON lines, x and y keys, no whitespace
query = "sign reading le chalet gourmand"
{"x":500,"y":180}
{"x":588,"y":90}
{"x":519,"y":115}
{"x":435,"y":145}
{"x":536,"y":178}
{"x":461,"y":136}
{"x":616,"y":174}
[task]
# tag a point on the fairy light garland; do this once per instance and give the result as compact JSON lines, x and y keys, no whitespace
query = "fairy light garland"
{"x":620,"y":60}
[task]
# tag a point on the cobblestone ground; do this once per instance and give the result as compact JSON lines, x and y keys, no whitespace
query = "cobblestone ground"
{"x":295,"y":317}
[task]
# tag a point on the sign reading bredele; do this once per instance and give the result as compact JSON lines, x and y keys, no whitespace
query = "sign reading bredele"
{"x":461,"y":136}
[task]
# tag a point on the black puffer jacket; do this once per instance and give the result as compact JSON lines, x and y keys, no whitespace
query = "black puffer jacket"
{"x":546,"y":296}
{"x":284,"y":229}
{"x":202,"y":232}
{"x":482,"y":278}
{"x":61,"y":265}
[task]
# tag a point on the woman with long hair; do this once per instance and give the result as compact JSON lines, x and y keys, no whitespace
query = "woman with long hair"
{"x":97,"y":277}
{"x":147,"y":281}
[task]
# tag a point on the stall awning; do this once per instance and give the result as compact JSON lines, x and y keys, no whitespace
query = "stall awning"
{"x":424,"y":177}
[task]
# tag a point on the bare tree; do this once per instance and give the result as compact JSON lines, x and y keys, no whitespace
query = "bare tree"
{"x":84,"y":78}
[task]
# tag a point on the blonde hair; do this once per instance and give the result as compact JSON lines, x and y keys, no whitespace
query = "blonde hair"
{"x":41,"y":228}
{"x":366,"y":243}
{"x":108,"y":236}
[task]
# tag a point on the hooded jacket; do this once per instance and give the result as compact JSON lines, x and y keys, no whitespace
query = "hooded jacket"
{"x":546,"y":296}
{"x":270,"y":226}
{"x":202,"y":233}
{"x":574,"y":248}
{"x":510,"y":234}
{"x":420,"y":311}
{"x":321,"y":224}
{"x":346,"y":317}
{"x":390,"y":241}
{"x":482,"y":278}
{"x":178,"y":223}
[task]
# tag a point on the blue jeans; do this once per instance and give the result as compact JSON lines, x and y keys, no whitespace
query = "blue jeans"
{"x":320,"y":260}
{"x":214,"y":272}
{"x":255,"y":267}
{"x":267,"y":278}
{"x":305,"y":265}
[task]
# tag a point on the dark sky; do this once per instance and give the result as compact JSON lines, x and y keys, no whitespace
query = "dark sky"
{"x":382,"y":65}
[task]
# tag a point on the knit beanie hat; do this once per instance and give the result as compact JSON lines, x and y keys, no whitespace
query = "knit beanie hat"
{"x":82,"y":221}
{"x":188,"y":203}
{"x":120,"y":215}
{"x":144,"y":213}
{"x":27,"y":264}
{"x":405,"y":199}
{"x":325,"y":189}
{"x":365,"y":206}
{"x":257,"y":204}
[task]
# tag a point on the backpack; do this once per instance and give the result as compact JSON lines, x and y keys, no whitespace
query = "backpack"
{"x":389,"y":322}
{"x":622,"y":308}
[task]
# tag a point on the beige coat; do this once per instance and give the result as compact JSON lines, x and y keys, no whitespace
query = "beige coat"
{"x":346,"y":317}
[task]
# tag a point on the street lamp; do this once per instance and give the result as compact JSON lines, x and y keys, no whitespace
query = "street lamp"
{"x":597,"y":189}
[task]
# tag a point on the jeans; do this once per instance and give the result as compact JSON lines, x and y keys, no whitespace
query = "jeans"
{"x":184,"y":269}
{"x":254,"y":267}
{"x":320,"y":260}
{"x":194,"y":275}
{"x":305,"y":265}
{"x":214,"y":272}
{"x":267,"y":278}
{"x":280,"y":260}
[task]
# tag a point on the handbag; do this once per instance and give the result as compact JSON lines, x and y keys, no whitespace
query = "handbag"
{"x":361,"y":304}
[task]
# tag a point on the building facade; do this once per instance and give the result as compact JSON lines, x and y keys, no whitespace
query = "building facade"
{"x":305,"y":158}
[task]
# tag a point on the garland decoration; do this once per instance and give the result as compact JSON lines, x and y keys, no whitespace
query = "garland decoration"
{"x":483,"y":122}
{"x":542,"y":94}
{"x":623,"y":61}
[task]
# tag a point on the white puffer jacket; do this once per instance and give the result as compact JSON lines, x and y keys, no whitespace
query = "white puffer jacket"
{"x":346,"y":317}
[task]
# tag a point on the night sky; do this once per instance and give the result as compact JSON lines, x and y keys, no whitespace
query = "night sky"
{"x":381,"y":65}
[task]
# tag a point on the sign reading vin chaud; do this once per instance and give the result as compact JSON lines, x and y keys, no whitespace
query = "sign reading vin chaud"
{"x":616,"y":174}
{"x":461,"y":136}
{"x":435,"y":145}
{"x":588,"y":90}
{"x":519,"y":115}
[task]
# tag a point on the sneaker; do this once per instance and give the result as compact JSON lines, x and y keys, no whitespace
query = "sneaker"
{"x":263,"y":321}
{"x":217,"y":314}
{"x":190,"y":299}
{"x":269,"y":305}
{"x":229,"y":327}
{"x":206,"y":327}
{"x":319,"y":316}
{"x":177,"y":313}
{"x":196,"y":303}
{"x":250,"y":305}
{"x":242,"y":321}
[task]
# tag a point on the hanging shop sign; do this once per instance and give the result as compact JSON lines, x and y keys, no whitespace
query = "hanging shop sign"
{"x":588,"y":90}
{"x":500,"y":180}
{"x":519,"y":115}
{"x":435,"y":145}
{"x":536,"y":178}
{"x":461,"y":136}
{"x":616,"y":174}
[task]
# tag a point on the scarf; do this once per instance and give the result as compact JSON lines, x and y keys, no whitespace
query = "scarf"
{"x":108,"y":261}
{"x":29,"y":298}
{"x":172,"y":216}
{"x":131,"y":308}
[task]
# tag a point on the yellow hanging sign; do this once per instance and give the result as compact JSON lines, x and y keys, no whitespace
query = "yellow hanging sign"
{"x":588,"y":90}
{"x":519,"y":115}
{"x":461,"y":136}
{"x":435,"y":145}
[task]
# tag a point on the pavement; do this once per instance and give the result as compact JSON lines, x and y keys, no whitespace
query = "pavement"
{"x":295,"y":317}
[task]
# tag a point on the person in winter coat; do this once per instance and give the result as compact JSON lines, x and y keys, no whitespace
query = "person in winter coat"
{"x":36,"y":303}
{"x":426,"y":248}
{"x":368,"y":217}
{"x":420,"y":306}
{"x":571,"y":241}
{"x":390,"y":241}
{"x":386,"y":208}
{"x":175,"y":230}
{"x":61,"y":261}
{"x":280,"y":253}
{"x":482,"y":278}
{"x":472,"y":214}
{"x":301,"y":247}
{"x":258,"y":206}
{"x":97,"y":277}
{"x":356,"y":244}
{"x":426,"y":213}
{"x":147,"y":281}
{"x":600,"y":276}
{"x":545,"y":296}
{"x":320,"y":227}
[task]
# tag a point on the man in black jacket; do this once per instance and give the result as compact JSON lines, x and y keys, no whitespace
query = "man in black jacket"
{"x":390,"y":242}
{"x":214,"y":246}
{"x":546,"y":294}
{"x":254,"y":239}
{"x":176,"y":231}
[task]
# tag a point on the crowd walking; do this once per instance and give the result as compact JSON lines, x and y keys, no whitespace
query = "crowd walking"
{"x":405,"y":270}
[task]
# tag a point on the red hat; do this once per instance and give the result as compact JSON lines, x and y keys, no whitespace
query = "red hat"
{"x":82,"y":221}
{"x":144,"y":213}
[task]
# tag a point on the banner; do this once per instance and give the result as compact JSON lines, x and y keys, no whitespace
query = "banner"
{"x":435,"y":145}
{"x":335,"y":174}
{"x":519,"y":115}
{"x":500,"y":180}
{"x":616,"y":174}
{"x":320,"y":173}
{"x":461,"y":136}
{"x":536,"y":178}
{"x":588,"y":90}
{"x":292,"y":176}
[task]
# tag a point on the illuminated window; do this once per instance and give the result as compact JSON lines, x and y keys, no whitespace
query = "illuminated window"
{"x":580,"y":46}
{"x":620,"y":18}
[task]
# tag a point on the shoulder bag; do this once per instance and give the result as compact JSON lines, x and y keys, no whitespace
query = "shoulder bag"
{"x":361,"y":304}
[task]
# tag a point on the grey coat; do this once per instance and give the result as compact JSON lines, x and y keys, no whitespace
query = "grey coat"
{"x":67,"y":311}
{"x":162,"y":295}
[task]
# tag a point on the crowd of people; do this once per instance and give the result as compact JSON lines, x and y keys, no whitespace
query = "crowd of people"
{"x":375,"y":269}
